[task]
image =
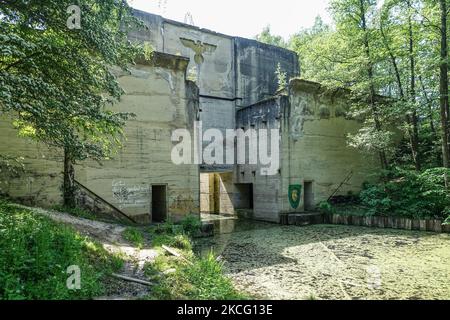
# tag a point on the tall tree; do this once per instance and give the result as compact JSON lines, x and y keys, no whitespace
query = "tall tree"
{"x":393,"y":45}
{"x":444,"y":93}
{"x":443,"y":88}
{"x":56,"y":74}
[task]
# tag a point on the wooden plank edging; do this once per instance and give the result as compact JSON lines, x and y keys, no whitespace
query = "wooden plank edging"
{"x":429,"y":225}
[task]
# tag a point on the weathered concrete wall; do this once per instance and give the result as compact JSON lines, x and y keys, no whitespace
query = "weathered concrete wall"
{"x":41,"y":181}
{"x":233,"y":72}
{"x":256,"y":66}
{"x":207,"y":192}
{"x":162,"y":102}
{"x":314,"y":144}
{"x":219,"y":194}
{"x":314,"y":129}
{"x":267,"y":191}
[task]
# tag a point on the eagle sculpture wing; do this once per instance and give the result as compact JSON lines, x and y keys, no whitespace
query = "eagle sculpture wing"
{"x":209,"y":48}
{"x":190,"y":44}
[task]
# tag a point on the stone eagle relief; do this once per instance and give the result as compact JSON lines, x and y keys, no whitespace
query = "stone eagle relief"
{"x":200,"y":48}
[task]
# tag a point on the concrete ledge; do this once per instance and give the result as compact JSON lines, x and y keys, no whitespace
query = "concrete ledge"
{"x":165,"y":60}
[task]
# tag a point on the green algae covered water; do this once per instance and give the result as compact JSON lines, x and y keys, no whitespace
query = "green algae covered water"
{"x":333,"y":262}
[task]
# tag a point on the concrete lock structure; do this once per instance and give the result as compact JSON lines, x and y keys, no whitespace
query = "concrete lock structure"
{"x":227,"y":83}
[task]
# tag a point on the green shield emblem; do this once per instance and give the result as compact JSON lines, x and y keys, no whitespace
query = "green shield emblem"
{"x":295,"y":193}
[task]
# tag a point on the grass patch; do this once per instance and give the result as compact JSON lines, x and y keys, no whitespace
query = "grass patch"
{"x":134,"y":236}
{"x":77,"y":212}
{"x":197,"y":279}
{"x":201,"y":280}
{"x":35,"y":255}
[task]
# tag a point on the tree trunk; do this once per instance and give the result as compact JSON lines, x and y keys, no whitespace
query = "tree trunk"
{"x":430,"y":109}
{"x":373,"y":105}
{"x":444,"y":100}
{"x":414,"y":136}
{"x":69,"y":181}
{"x":411,"y":122}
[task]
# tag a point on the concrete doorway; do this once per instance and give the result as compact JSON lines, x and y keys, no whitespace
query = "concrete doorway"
{"x":159,"y":203}
{"x":210,"y":193}
{"x":244,"y":200}
{"x":309,"y":196}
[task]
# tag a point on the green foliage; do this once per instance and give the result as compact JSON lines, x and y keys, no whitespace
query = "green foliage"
{"x":179,"y":241}
{"x":281,"y":78}
{"x":447,"y":221}
{"x":207,"y":280}
{"x":326,"y":207}
{"x":408,"y":193}
{"x":267,"y":37}
{"x":35,"y":255}
{"x":57,"y":83}
{"x":382,"y":48}
{"x":11,"y":167}
{"x":191,"y":225}
{"x":182,"y":242}
{"x":198,"y":279}
{"x":77,"y":212}
{"x":134,"y":236}
{"x":203,"y":280}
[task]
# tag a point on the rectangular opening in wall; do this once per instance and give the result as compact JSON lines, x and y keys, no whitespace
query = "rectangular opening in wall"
{"x":159,"y":203}
{"x":309,"y":196}
{"x":244,"y":199}
{"x":210,"y":193}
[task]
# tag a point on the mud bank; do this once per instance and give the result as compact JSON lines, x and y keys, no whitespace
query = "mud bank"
{"x":335,"y":262}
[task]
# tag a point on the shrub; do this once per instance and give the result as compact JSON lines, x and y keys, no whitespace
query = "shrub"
{"x":447,"y":221}
{"x":191,"y":225}
{"x":408,"y":193}
{"x":326,"y":208}
{"x":35,"y":255}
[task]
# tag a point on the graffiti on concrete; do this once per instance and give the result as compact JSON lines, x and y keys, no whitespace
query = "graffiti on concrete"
{"x":133,"y":196}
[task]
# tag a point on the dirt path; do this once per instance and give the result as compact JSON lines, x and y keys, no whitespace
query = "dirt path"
{"x":336,"y":262}
{"x":110,"y":236}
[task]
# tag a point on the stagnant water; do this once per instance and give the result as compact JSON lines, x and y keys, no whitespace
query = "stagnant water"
{"x":332,"y":262}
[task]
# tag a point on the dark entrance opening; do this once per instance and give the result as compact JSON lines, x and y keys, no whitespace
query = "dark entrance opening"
{"x":245,"y":196}
{"x":309,"y":196}
{"x":159,"y":203}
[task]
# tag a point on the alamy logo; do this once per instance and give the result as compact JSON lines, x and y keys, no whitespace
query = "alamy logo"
{"x":251,"y":147}
{"x":74,"y":279}
{"x":374,"y":279}
{"x":74,"y":20}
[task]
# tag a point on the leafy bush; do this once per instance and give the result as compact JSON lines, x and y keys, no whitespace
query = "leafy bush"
{"x":326,"y":207}
{"x":191,"y":225}
{"x":35,"y":255}
{"x":408,"y":193}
